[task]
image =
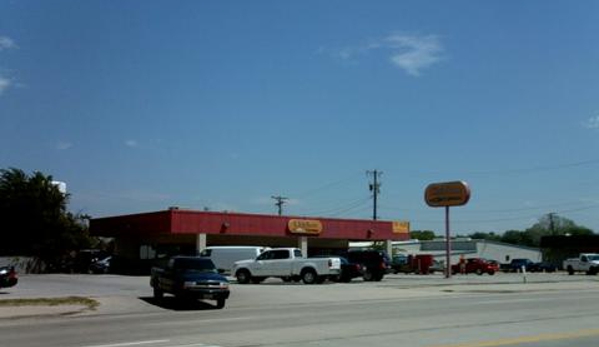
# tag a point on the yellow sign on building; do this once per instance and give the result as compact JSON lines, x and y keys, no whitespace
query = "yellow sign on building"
{"x":304,"y":226}
{"x":401,"y":227}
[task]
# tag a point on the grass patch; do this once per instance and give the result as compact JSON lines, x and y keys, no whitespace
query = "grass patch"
{"x":91,"y":304}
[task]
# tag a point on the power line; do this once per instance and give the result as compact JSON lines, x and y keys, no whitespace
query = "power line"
{"x":533,"y":169}
{"x":506,"y":210}
{"x":341,"y":209}
{"x":324,"y":187}
{"x":495,"y":220}
{"x":359,"y":204}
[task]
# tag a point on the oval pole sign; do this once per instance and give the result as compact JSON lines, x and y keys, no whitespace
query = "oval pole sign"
{"x":447,"y":194}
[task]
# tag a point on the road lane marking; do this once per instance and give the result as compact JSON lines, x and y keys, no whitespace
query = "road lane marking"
{"x":509,"y":301}
{"x":196,"y":321}
{"x":193,"y":345}
{"x":528,"y":339}
{"x":133,"y":343}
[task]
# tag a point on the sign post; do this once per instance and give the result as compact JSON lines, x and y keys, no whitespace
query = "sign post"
{"x":447,"y":194}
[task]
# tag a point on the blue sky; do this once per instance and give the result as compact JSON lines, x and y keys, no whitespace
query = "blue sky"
{"x":141,"y":105}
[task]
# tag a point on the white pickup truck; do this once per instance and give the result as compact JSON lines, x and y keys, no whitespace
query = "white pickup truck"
{"x":587,"y":262}
{"x":287,"y":264}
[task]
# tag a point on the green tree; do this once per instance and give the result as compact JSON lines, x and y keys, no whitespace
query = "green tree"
{"x":34,"y":213}
{"x":549,"y":224}
{"x":479,"y":235}
{"x":422,"y":235}
{"x":517,"y":237}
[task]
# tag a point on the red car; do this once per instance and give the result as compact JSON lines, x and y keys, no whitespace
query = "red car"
{"x":478,"y":266}
{"x":8,"y":276}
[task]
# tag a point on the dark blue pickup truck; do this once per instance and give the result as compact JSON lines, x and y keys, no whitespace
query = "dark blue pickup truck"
{"x":190,"y":278}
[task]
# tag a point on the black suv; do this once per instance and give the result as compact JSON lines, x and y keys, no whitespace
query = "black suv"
{"x":375,"y":264}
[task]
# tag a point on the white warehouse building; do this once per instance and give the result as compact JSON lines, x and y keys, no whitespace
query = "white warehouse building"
{"x":464,"y":247}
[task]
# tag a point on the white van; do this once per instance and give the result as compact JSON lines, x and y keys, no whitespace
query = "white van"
{"x":224,"y":257}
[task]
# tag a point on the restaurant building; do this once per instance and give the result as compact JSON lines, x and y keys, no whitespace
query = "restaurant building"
{"x":148,"y":236}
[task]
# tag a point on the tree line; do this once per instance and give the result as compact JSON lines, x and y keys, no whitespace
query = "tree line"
{"x":548,"y":225}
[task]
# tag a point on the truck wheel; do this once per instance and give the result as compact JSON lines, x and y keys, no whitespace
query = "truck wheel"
{"x":368,"y":275}
{"x":220,"y":303}
{"x":479,"y":272}
{"x":158,"y":293}
{"x":243,"y":276}
{"x":570,"y":270}
{"x":309,"y":276}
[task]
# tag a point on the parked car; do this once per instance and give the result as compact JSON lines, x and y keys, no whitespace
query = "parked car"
{"x":286,"y":263}
{"x":224,"y":257}
{"x":8,"y":277}
{"x":100,"y":266}
{"x":349,"y":270}
{"x":517,"y":264}
{"x":84,"y":258}
{"x":188,"y":277}
{"x":419,"y":264}
{"x":478,"y":266}
{"x":586,"y":262}
{"x":375,"y":264}
{"x":543,"y":267}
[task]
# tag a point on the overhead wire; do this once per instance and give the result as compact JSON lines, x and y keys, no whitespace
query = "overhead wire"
{"x":343,"y":208}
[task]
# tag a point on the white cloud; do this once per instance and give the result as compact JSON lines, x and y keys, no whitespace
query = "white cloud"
{"x":414,"y":53}
{"x":411,"y":53}
{"x":131,"y":143}
{"x":592,"y":123}
{"x":5,"y":83}
{"x":6,"y":43}
{"x":63,"y":145}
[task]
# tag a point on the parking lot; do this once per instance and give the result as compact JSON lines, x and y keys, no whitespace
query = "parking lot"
{"x":130,"y":294}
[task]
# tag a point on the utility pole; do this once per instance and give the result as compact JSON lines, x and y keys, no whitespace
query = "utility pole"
{"x":280,"y":201}
{"x":552,"y":223}
{"x":375,"y":188}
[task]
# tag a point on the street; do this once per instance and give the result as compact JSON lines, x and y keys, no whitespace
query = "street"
{"x":471,"y":311}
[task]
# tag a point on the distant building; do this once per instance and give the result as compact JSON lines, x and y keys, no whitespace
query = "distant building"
{"x":469,"y":248}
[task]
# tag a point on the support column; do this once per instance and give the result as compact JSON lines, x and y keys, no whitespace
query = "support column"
{"x":389,"y":248}
{"x":303,"y":245}
{"x":200,"y":243}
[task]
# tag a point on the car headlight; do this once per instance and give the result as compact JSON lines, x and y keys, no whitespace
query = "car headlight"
{"x":224,"y":285}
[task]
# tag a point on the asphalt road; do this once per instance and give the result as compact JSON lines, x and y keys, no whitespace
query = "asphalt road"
{"x":468,"y":311}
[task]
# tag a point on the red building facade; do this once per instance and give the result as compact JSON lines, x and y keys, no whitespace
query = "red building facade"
{"x":148,"y":235}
